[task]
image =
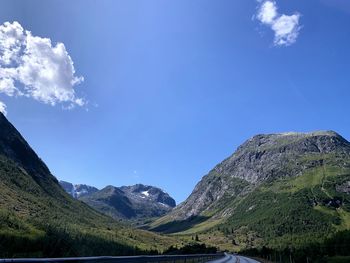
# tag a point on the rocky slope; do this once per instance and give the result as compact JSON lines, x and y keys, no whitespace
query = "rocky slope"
{"x":38,"y":218}
{"x":130,"y":202}
{"x":303,"y":173}
{"x":261,"y":158}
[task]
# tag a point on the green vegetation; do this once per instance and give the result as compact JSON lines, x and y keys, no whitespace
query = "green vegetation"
{"x":41,"y":222}
{"x":296,"y":211}
{"x":332,"y":250}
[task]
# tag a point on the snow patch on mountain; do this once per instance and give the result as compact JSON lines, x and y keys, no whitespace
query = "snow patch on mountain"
{"x":145,"y":193}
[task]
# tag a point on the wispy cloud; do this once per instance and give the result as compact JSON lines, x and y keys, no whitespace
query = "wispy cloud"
{"x":32,"y":66}
{"x":3,"y":108}
{"x":285,"y":27}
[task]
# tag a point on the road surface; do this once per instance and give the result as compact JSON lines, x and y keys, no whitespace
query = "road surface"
{"x":229,"y":258}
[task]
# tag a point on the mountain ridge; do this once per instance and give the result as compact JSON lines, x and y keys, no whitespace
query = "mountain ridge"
{"x":138,"y":201}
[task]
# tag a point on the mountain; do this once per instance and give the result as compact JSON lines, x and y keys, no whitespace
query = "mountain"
{"x":275,"y":190}
{"x":78,"y":190}
{"x":38,"y":218}
{"x":129,"y":202}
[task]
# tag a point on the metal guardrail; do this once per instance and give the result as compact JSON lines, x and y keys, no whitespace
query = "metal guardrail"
{"x":199,"y":258}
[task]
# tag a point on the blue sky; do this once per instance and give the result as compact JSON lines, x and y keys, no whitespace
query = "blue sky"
{"x":171,"y":88}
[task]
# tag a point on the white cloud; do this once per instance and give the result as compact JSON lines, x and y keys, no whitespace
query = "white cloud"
{"x":7,"y":86}
{"x":267,"y":12}
{"x":11,"y":39}
{"x":3,"y":108}
{"x":32,"y":66}
{"x":285,"y":27}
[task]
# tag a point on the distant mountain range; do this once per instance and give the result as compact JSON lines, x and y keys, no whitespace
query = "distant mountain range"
{"x":126,"y":202}
{"x":275,"y":190}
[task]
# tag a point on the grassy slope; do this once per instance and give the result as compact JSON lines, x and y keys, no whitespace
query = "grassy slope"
{"x":35,"y":223}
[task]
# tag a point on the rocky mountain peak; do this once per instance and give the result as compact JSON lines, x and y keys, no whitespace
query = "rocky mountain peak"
{"x":261,"y":157}
{"x":327,"y":140}
{"x":264,"y":157}
{"x":149,"y":192}
{"x":127,"y":202}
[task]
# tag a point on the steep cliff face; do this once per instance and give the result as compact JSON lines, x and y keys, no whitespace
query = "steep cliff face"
{"x":261,"y":159}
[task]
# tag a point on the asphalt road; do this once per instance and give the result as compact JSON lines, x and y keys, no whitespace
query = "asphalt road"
{"x":229,"y":258}
{"x":234,"y":259}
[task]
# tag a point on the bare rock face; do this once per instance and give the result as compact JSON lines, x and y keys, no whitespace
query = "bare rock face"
{"x":260,"y":159}
{"x":344,"y":187}
{"x":78,"y":190}
{"x":266,"y":156}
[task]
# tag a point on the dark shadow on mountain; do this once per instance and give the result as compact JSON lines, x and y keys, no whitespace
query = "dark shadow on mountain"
{"x":179,"y":225}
